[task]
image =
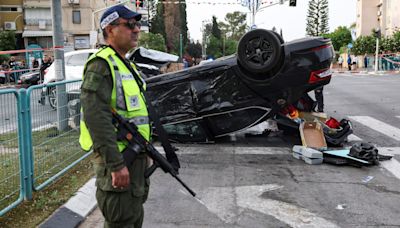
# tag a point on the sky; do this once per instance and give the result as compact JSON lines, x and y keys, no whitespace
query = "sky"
{"x":292,"y":20}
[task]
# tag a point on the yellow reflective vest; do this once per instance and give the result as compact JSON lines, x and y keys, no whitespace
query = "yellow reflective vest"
{"x":126,"y":98}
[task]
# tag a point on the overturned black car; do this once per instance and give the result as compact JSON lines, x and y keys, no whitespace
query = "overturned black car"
{"x":233,"y":93}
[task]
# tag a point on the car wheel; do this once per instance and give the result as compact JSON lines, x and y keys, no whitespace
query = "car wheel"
{"x":53,"y":97}
{"x":259,"y":51}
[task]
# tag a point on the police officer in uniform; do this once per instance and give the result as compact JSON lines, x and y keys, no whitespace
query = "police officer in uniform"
{"x":110,"y":81}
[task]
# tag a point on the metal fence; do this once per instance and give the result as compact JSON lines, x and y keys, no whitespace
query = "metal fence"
{"x":38,"y":138}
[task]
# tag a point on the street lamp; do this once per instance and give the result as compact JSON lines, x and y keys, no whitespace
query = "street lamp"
{"x":15,"y":20}
{"x":204,"y":44}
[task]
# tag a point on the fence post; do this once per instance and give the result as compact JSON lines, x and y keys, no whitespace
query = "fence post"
{"x":25,"y":145}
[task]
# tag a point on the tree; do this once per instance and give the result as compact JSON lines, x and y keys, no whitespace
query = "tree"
{"x":396,"y":41}
{"x":340,"y":37}
{"x":230,"y":46}
{"x":364,"y":45}
{"x":235,"y":26}
{"x":157,"y":21}
{"x":317,"y":18}
{"x":215,"y":30}
{"x":170,"y":21}
{"x":194,"y":49}
{"x":175,"y":24}
{"x":7,"y":40}
{"x":152,"y":41}
{"x":214,"y":47}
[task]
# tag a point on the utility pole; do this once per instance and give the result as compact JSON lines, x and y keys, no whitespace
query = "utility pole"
{"x":180,"y":47}
{"x":58,"y":45}
{"x":254,"y":7}
{"x":204,"y":44}
{"x":378,"y":36}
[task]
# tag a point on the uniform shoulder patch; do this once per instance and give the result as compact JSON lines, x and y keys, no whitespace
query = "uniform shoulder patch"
{"x":96,"y":72}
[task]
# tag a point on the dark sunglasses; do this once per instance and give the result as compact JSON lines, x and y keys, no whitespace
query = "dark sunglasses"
{"x":130,"y":24}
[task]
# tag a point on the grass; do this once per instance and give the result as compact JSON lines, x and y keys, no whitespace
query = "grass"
{"x":52,"y":152}
{"x":31,"y":213}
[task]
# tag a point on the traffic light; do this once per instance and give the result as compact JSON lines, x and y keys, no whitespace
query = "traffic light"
{"x":377,"y":33}
{"x":292,"y":2}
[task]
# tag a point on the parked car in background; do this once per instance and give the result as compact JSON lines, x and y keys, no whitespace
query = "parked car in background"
{"x":29,"y":79}
{"x":74,"y":65}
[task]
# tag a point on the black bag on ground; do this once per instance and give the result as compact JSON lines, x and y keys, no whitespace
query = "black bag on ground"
{"x":366,"y":152}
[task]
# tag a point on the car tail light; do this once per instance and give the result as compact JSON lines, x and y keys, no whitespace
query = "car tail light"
{"x":320,"y":75}
{"x":321,"y":47}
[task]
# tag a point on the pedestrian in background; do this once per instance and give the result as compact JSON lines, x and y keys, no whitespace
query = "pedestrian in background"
{"x":319,"y":96}
{"x":46,"y":62}
{"x":355,"y":62}
{"x":365,"y":61}
{"x":340,"y":62}
{"x":35,"y":63}
{"x":12,"y":64}
{"x":2,"y":75}
{"x":349,"y":62}
{"x":121,"y":188}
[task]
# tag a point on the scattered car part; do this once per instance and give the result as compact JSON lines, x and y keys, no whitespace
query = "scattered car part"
{"x":366,"y":152}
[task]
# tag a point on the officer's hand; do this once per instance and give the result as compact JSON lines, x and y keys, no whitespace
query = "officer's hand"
{"x":120,"y":178}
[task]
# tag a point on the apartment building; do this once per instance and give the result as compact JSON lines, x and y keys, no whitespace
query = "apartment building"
{"x":377,"y":14}
{"x":32,"y":21}
{"x":11,"y":18}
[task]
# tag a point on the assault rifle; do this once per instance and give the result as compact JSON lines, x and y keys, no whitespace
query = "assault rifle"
{"x":137,"y":144}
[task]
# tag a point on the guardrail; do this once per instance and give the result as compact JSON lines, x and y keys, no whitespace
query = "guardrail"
{"x":38,"y":138}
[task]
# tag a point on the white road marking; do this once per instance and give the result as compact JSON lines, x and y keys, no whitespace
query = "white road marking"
{"x":398,"y":117}
{"x":353,"y":138}
{"x":221,"y":201}
{"x":379,"y":126}
{"x":389,"y":150}
{"x":392,"y":166}
{"x":222,"y":149}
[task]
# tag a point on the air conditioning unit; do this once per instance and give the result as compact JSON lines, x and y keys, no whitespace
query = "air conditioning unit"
{"x":73,"y":2}
{"x":9,"y":25}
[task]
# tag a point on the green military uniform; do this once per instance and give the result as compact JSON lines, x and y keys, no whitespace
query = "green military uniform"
{"x":120,"y":207}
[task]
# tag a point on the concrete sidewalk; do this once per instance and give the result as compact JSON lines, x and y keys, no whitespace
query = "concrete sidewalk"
{"x":363,"y":71}
{"x":75,"y":211}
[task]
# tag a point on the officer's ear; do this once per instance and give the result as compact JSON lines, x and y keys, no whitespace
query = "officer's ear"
{"x":109,"y":30}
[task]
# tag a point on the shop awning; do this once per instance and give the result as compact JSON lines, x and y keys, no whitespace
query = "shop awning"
{"x":37,"y":33}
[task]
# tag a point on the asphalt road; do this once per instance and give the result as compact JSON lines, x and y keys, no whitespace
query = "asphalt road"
{"x":42,"y":115}
{"x":255,"y":182}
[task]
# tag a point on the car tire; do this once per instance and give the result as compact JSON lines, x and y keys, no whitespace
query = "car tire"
{"x":259,"y":51}
{"x":53,"y":97}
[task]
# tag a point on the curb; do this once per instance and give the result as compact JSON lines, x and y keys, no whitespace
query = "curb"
{"x":73,"y":212}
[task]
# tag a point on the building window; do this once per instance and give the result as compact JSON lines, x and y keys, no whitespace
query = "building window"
{"x":8,"y":9}
{"x":76,"y":16}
